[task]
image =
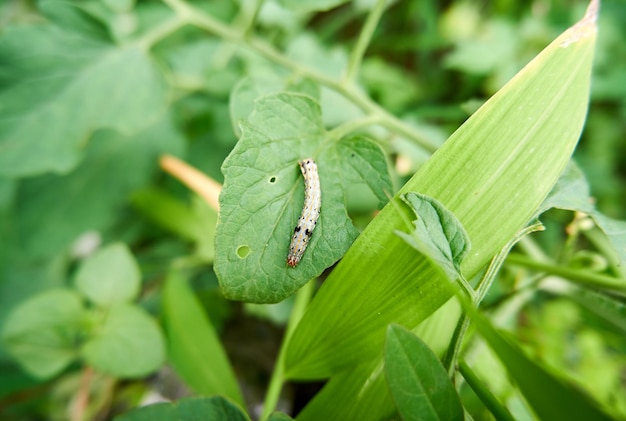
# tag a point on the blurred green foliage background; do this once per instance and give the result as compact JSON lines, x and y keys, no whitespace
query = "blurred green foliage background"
{"x":431,"y":63}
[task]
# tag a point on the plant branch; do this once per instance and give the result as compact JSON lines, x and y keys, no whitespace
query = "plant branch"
{"x":251,"y":18}
{"x":159,"y":32}
{"x":81,"y":398}
{"x":303,"y":297}
{"x":197,"y":18}
{"x":364,"y":39}
{"x":351,"y":126}
{"x":579,"y":276}
{"x":499,"y":411}
{"x":483,"y":286}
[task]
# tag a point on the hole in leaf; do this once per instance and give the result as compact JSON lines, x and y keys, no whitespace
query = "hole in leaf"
{"x":273,"y":179}
{"x":243,"y":251}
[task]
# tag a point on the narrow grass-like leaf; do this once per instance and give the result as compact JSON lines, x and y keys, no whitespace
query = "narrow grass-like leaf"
{"x":193,"y":346}
{"x":610,"y":309}
{"x":419,"y":384}
{"x":167,"y":211}
{"x":615,"y":231}
{"x":311,"y":5}
{"x":263,"y":196}
{"x":493,"y":173}
{"x":279,"y":416}
{"x":550,"y":397}
{"x":360,"y":393}
{"x":190,"y":409}
{"x":499,"y":411}
{"x":195,"y":223}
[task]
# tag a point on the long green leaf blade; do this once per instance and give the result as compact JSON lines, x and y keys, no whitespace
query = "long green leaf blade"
{"x":493,"y":173}
{"x":193,"y":346}
{"x":550,"y":397}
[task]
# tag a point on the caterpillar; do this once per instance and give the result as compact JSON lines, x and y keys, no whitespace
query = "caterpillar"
{"x":310,"y":212}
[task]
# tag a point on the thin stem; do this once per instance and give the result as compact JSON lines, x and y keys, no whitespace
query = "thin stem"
{"x":197,"y":18}
{"x":601,"y":242}
{"x":303,"y":297}
{"x":364,"y":39}
{"x":479,"y":294}
{"x":352,"y":126}
{"x":81,"y":398}
{"x":500,"y":412}
{"x":579,"y":276}
{"x":245,"y":22}
{"x":494,"y":267}
{"x":161,"y":31}
{"x":251,"y":18}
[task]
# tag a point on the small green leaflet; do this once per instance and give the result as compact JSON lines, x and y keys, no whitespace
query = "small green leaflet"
{"x":438,"y":234}
{"x":263,"y":196}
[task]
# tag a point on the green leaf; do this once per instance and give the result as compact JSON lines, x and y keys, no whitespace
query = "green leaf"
{"x":21,"y":280}
{"x":194,"y":348}
{"x":71,"y":16}
{"x":7,"y":193}
{"x":94,"y":192}
{"x":57,"y":88}
{"x":195,"y":223}
{"x":190,"y":409}
{"x":359,"y":393}
{"x":541,"y":389}
{"x":418,"y":382}
{"x":279,"y":416}
{"x":263,"y":195}
{"x":615,"y":231}
{"x":110,"y":276}
{"x":129,"y":343}
{"x":492,"y":174}
{"x":605,"y":306}
{"x":255,"y":86}
{"x":311,"y":5}
{"x":41,"y":332}
{"x":438,"y":234}
{"x":167,"y":211}
{"x":572,"y":193}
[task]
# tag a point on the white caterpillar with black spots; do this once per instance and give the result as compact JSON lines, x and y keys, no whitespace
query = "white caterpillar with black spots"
{"x":310,"y":212}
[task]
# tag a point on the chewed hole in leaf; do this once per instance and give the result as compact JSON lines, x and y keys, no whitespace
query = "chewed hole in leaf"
{"x":264,"y":193}
{"x":243,"y":251}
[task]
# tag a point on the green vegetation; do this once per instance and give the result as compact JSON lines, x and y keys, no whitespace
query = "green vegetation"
{"x":463,"y":264}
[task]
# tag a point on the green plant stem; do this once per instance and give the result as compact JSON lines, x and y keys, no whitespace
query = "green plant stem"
{"x":499,"y":412}
{"x":362,"y":43}
{"x":482,"y":288}
{"x":154,"y":35}
{"x":197,"y":18}
{"x":352,"y":126}
{"x":580,"y":276}
{"x":303,"y":297}
{"x":252,"y":17}
{"x":601,"y":242}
